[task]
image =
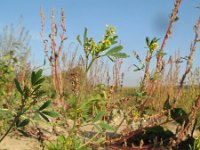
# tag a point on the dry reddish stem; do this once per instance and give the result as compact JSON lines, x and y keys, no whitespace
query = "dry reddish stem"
{"x":146,"y":72}
{"x":54,"y":58}
{"x":160,"y":62}
{"x":192,"y":51}
{"x":160,"y":65}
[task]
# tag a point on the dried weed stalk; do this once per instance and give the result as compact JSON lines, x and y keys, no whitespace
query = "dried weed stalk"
{"x":55,"y":50}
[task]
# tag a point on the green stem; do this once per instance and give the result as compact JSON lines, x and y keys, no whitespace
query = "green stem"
{"x":81,"y":92}
{"x":90,"y":64}
{"x":88,"y":142}
{"x":8,"y":131}
{"x":13,"y":123}
{"x":18,"y":115}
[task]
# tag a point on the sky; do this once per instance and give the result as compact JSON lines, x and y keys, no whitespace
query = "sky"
{"x":134,"y":20}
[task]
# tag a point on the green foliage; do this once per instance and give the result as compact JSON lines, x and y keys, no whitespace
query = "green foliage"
{"x":150,"y":134}
{"x":96,"y":109}
{"x":198,"y":119}
{"x":106,"y":126}
{"x":84,"y":109}
{"x":66,"y":143}
{"x":167,"y":104}
{"x":7,"y":71}
{"x":197,"y":143}
{"x":94,"y":50}
{"x":178,"y":114}
{"x":45,"y":105}
{"x":50,"y":113}
{"x":30,"y":96}
{"x":152,"y":44}
{"x":98,"y":116}
{"x":23,"y":123}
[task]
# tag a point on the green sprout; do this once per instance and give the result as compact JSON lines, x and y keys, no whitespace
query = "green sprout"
{"x":153,"y":44}
{"x":94,"y":50}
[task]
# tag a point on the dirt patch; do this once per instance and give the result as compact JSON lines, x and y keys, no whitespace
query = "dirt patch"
{"x":19,"y":143}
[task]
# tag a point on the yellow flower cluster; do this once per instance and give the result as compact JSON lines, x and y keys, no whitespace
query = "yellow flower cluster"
{"x":152,"y":44}
{"x":153,"y":47}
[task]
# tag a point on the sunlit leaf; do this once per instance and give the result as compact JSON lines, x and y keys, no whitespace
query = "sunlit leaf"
{"x":147,"y":41}
{"x":43,"y":116}
{"x":179,"y":115}
{"x":23,"y":123}
{"x":119,"y":55}
{"x":167,"y":104}
{"x":50,"y":113}
{"x":37,"y":88}
{"x":114,"y":50}
{"x":36,"y":77}
{"x":98,"y":128}
{"x":89,"y":101}
{"x":45,"y":105}
{"x":78,"y":39}
{"x":18,"y":86}
{"x":39,"y":81}
{"x":98,"y":116}
{"x":23,"y":132}
{"x":26,"y":92}
{"x":106,"y":126}
{"x":85,"y":35}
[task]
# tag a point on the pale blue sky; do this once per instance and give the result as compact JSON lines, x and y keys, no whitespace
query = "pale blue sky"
{"x":134,"y":20}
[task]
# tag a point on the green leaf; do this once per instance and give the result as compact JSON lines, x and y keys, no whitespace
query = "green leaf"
{"x":39,"y":81}
{"x":167,"y":104}
{"x":45,"y":105}
{"x":110,"y":58}
{"x":100,"y":141}
{"x":106,"y":126}
{"x":36,"y":76}
{"x":98,"y":128}
{"x":179,"y":115}
{"x":26,"y":92}
{"x":78,"y":39}
{"x":17,"y":122}
{"x":98,"y":116}
{"x":50,"y":113}
{"x":44,"y":117}
{"x":89,"y":101}
{"x":23,"y":123}
{"x":40,"y":93}
{"x":114,"y":50}
{"x":147,"y":41}
{"x":24,"y":133}
{"x":18,"y":86}
{"x":61,"y":139}
{"x":119,"y":55}
{"x":37,"y":88}
{"x":32,"y":77}
{"x":85,"y":35}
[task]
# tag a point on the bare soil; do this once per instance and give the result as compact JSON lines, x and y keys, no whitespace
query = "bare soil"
{"x":17,"y":142}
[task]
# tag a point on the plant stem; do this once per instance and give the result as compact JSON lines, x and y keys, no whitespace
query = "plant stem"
{"x":9,"y":129}
{"x":89,"y":66}
{"x":20,"y":113}
{"x":89,"y":141}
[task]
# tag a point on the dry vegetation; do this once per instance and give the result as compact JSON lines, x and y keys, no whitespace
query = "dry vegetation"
{"x":82,"y":105}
